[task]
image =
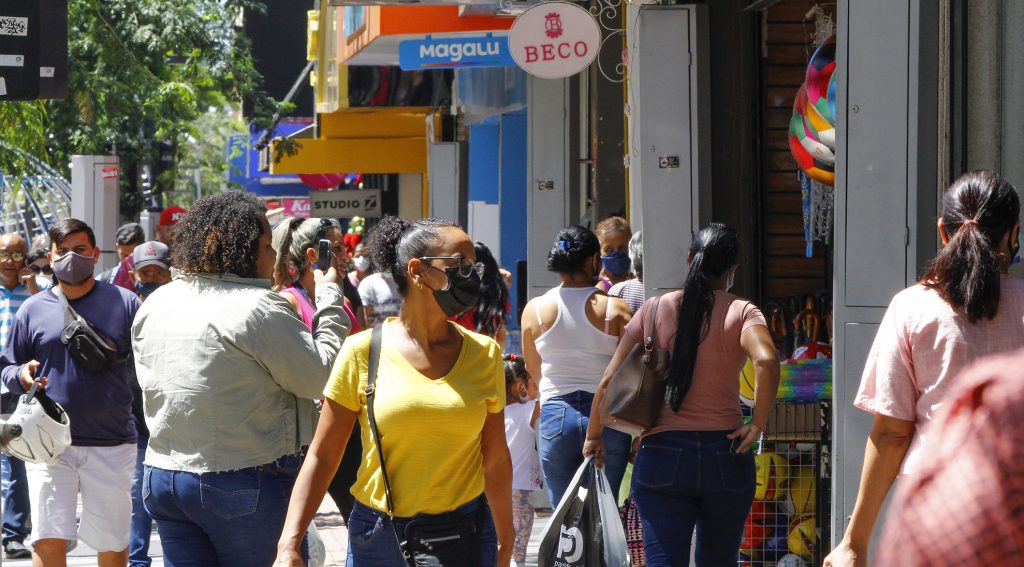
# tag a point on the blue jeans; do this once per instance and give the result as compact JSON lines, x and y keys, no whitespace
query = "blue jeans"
{"x":17,"y":508}
{"x":142,"y":524}
{"x":372,"y":542}
{"x":563,"y":428}
{"x":687,"y":479}
{"x":227,"y":518}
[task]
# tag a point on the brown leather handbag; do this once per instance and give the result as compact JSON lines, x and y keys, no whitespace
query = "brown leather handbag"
{"x":637,"y":391}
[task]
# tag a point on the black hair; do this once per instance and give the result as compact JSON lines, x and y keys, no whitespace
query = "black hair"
{"x":220,"y":235}
{"x":35,"y":255}
{"x":978,"y":209}
{"x":713,"y":252}
{"x":574,"y":247}
{"x":490,"y":307}
{"x":515,"y":372}
{"x":66,"y":227}
{"x":129,"y":234}
{"x":394,"y":241}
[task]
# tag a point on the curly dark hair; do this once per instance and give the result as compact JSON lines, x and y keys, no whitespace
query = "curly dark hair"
{"x":489,"y":312}
{"x":394,"y":241}
{"x":220,"y":235}
{"x":574,"y":246}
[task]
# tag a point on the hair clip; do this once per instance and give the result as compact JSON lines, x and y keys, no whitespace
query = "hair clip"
{"x":512,"y":358}
{"x":565,"y":244}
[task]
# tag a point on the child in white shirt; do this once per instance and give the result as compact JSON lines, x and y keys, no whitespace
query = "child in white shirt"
{"x":521,"y":410}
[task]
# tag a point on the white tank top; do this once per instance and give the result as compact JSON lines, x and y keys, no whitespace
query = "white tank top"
{"x":573,"y":353}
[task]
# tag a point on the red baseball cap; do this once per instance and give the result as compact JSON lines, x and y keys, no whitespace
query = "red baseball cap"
{"x":172,"y":215}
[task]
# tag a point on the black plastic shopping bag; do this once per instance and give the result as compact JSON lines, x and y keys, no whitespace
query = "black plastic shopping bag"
{"x":585,"y":530}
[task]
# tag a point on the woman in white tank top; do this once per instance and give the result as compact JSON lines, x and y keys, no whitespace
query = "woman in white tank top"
{"x":569,"y":335}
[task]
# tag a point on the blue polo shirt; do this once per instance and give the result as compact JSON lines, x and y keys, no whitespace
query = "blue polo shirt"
{"x":99,"y":404}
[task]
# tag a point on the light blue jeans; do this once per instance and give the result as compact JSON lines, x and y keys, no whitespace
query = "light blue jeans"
{"x":563,"y":428}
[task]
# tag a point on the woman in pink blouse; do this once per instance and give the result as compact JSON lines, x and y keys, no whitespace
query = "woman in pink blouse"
{"x":966,"y":307}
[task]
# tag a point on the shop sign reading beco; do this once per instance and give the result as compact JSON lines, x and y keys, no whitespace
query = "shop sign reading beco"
{"x":554,"y":40}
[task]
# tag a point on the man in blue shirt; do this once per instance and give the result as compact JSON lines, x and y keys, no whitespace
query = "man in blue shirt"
{"x":19,"y":283}
{"x":100,"y":461}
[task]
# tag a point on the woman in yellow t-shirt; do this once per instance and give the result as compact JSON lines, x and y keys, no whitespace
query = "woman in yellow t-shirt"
{"x":440,"y":396}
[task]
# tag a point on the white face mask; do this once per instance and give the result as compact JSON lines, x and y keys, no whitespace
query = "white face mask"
{"x":362,"y":263}
{"x":730,"y":281}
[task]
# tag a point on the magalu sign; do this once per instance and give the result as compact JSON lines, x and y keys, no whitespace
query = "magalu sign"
{"x":553,"y":40}
{"x":455,"y":53}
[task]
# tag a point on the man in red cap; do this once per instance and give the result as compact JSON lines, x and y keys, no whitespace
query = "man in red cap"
{"x":169,"y":218}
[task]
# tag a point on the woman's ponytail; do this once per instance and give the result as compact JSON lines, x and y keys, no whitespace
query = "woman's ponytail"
{"x":713,"y":253}
{"x":977,"y":211}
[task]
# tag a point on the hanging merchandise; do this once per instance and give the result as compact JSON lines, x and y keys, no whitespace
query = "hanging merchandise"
{"x":812,"y":141}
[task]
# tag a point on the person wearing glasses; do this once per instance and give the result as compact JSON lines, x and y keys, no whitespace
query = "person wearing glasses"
{"x":569,"y":336}
{"x":39,"y":263}
{"x":19,"y":283}
{"x":439,"y":402}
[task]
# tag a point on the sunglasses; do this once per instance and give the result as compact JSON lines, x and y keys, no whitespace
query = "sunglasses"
{"x":45,"y":270}
{"x":465,"y":267}
{"x":17,"y":256}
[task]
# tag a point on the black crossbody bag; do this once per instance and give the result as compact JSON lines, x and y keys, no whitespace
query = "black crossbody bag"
{"x":429,"y":540}
{"x":87,"y":345}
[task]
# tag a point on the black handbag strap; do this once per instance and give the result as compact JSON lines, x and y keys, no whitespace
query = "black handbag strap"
{"x":70,"y":315}
{"x":371,"y":390}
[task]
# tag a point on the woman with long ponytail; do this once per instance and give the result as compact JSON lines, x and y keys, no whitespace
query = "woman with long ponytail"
{"x":966,"y":307}
{"x":700,"y":433}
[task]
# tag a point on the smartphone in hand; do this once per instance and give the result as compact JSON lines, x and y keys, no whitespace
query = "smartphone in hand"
{"x":323,"y":258}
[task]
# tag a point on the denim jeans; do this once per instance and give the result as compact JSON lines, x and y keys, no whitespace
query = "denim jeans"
{"x":17,"y":508}
{"x":229,"y":518}
{"x":687,"y":479}
{"x":142,"y":524}
{"x":563,"y":428}
{"x":372,"y":542}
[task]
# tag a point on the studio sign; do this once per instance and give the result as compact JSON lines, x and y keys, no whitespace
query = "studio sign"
{"x":554,"y":40}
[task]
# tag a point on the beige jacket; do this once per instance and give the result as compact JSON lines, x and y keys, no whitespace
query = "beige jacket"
{"x":229,"y":372}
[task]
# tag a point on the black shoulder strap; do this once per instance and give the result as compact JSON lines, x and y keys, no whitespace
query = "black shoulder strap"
{"x":371,"y":388}
{"x":70,"y":315}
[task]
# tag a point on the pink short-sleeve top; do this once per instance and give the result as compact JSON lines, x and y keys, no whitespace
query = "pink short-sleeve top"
{"x":923,"y":344}
{"x":712,"y":402}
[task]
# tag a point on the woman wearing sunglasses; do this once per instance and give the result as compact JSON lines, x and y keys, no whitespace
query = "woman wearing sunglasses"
{"x":438,"y":403}
{"x":40,"y":266}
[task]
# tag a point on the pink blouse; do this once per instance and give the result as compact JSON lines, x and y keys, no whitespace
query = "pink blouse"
{"x":923,"y":344}
{"x":713,"y":400}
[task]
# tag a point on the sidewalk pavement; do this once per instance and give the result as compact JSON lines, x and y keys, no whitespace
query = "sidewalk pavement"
{"x":328,"y":521}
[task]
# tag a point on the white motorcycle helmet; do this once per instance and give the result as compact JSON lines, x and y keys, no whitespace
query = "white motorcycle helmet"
{"x":45,"y":428}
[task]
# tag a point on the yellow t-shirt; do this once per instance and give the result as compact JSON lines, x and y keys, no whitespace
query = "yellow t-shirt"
{"x":430,"y":429}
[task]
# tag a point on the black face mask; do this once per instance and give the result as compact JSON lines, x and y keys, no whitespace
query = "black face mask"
{"x":461,"y":293}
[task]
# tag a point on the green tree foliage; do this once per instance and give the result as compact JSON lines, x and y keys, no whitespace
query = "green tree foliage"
{"x":140,"y":71}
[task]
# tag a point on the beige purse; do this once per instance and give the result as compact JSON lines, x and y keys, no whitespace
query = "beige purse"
{"x":637,"y":391}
